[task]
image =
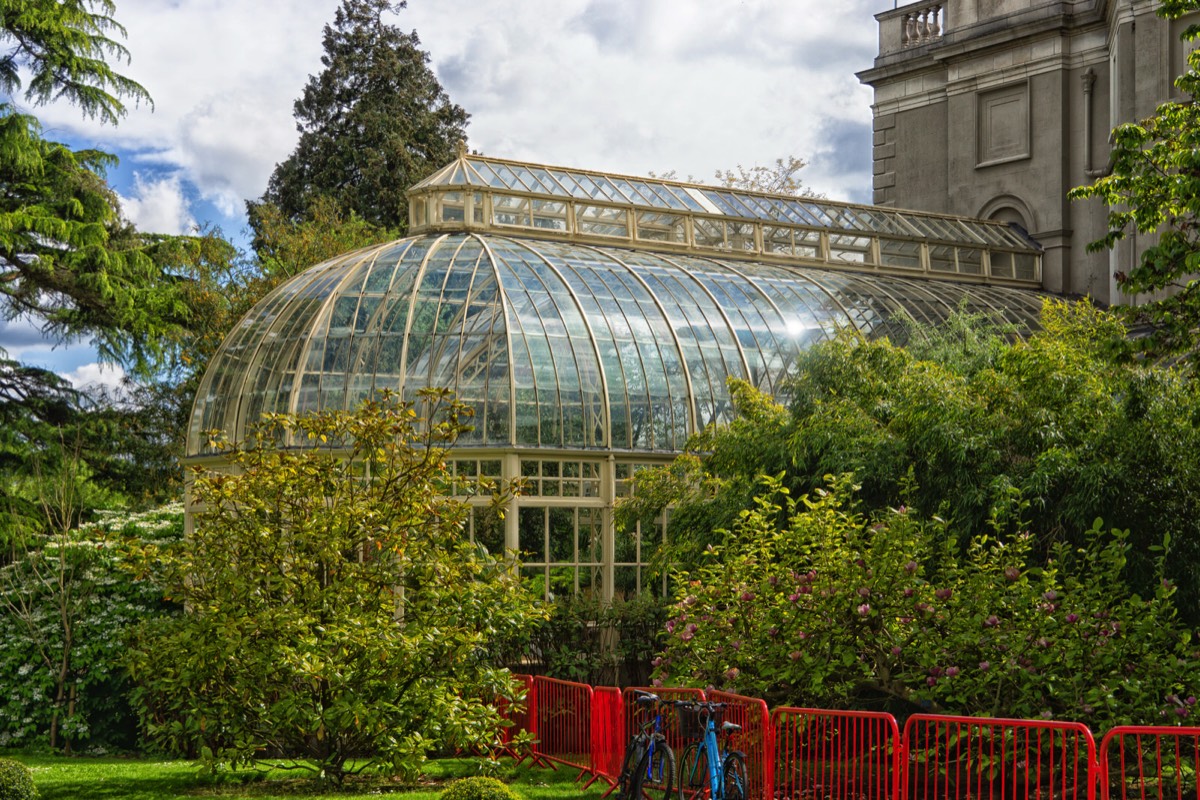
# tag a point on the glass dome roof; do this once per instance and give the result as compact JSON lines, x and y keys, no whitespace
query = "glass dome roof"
{"x":556,"y":344}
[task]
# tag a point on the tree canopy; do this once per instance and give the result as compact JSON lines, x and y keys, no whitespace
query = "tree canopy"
{"x":372,"y":123}
{"x":72,"y":266}
{"x":336,"y":609}
{"x":1043,"y":435}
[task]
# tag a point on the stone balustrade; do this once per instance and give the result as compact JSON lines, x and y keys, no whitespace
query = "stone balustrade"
{"x":922,"y":25}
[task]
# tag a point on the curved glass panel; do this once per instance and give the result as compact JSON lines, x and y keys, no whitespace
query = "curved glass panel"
{"x":554,"y":344}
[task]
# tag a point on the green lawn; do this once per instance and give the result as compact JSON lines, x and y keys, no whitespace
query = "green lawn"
{"x":60,"y":778}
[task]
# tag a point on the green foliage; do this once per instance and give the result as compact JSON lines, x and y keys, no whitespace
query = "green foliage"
{"x":1045,"y":434}
{"x":73,"y":266}
{"x":16,"y":781}
{"x":335,"y":607}
{"x":479,"y":788}
{"x":590,"y":641}
{"x":286,"y":246}
{"x":67,"y":603}
{"x":1154,"y":186}
{"x":836,"y":608}
{"x":63,"y":44}
{"x":372,"y":123}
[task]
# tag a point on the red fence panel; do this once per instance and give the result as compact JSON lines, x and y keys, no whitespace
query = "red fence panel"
{"x":563,"y":716}
{"x":519,"y":715}
{"x":977,"y":758}
{"x":608,"y":732}
{"x":637,"y":715}
{"x":836,"y":755}
{"x":754,"y":739}
{"x":1149,"y":763}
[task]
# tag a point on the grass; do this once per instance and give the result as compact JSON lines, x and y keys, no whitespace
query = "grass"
{"x":62,"y":778}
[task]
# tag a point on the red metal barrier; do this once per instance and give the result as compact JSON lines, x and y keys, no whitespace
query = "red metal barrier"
{"x":956,"y":758}
{"x":754,"y":739}
{"x":520,"y":716}
{"x":608,"y":729}
{"x":836,"y":755}
{"x":562,"y":714}
{"x":1141,"y":763}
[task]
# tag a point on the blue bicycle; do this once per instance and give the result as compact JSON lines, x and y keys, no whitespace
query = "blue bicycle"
{"x":648,"y":771}
{"x":708,"y":771}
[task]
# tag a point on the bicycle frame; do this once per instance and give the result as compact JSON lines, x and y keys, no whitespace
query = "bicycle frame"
{"x":715,"y":759}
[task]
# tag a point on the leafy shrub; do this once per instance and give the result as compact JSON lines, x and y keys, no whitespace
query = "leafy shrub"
{"x":16,"y":781}
{"x":835,"y":608}
{"x":478,"y":788}
{"x":66,"y":606}
{"x":296,"y":573}
{"x":587,"y":640}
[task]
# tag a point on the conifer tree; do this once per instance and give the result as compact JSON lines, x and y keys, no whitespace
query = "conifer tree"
{"x":372,"y":123}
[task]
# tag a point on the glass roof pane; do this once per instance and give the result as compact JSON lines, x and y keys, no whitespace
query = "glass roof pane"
{"x":548,"y":182}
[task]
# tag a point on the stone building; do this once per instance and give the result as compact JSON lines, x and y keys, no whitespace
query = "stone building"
{"x":997,"y":108}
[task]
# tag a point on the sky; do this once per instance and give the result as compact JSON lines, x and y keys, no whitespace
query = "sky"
{"x":628,"y":86}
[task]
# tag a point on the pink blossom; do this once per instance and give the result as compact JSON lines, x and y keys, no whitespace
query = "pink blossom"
{"x":795,"y":655}
{"x":864,"y":592}
{"x":747,"y":596}
{"x":984,"y":666}
{"x":670,"y":626}
{"x":687,"y":636}
{"x":657,"y":662}
{"x":805,"y":589}
{"x":896,"y":650}
{"x":1072,"y":618}
{"x":932,"y":681}
{"x":1050,"y":595}
{"x":1012,"y":573}
{"x":732,"y":673}
{"x":943,"y":594}
{"x":991,"y":622}
{"x":951,"y":672}
{"x":910,"y":567}
{"x":864,"y":609}
{"x":793,"y":597}
{"x":908,"y":592}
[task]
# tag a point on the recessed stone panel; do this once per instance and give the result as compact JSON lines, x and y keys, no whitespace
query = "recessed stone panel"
{"x":1003,"y":125}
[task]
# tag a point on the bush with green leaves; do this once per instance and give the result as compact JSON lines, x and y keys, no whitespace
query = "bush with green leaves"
{"x":66,"y":606}
{"x":810,"y":602}
{"x":479,"y":788}
{"x":588,"y":640}
{"x":16,"y":781}
{"x":959,"y":424}
{"x":335,"y":607}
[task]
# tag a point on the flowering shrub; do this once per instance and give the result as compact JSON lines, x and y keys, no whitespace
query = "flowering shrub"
{"x":811,"y":603}
{"x":65,"y":609}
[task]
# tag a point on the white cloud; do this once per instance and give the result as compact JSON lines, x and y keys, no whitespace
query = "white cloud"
{"x":623,"y":85}
{"x":93,"y":375}
{"x":158,"y":205}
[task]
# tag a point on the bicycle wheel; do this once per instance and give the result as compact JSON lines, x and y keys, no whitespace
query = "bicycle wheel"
{"x":693,"y":774}
{"x":660,"y":778}
{"x":628,"y":781}
{"x":735,"y":776}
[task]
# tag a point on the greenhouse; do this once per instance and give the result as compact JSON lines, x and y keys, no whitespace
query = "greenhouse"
{"x":591,"y":321}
